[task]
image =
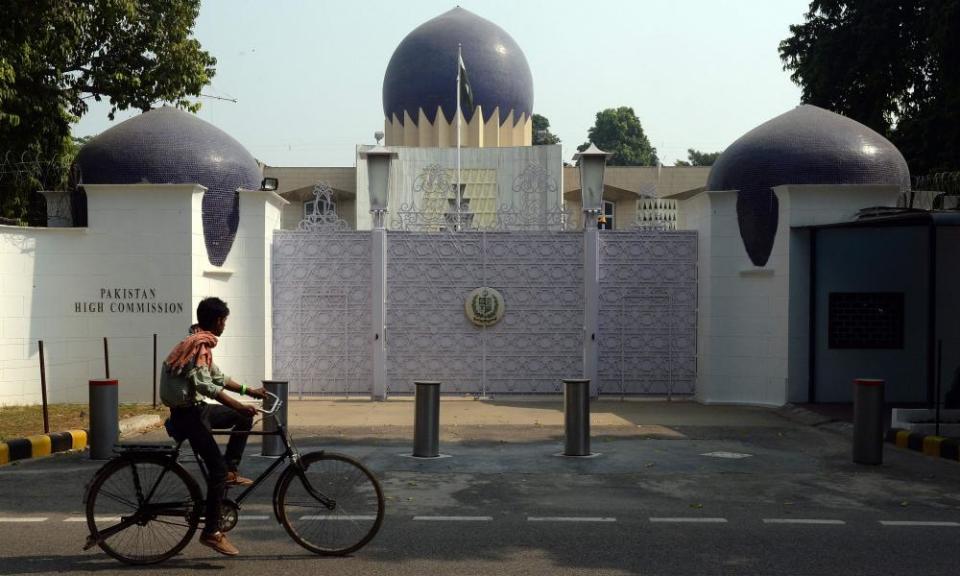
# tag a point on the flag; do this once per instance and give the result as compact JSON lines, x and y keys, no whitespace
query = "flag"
{"x":466,"y":91}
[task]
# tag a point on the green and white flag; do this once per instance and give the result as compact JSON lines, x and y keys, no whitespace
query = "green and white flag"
{"x":466,"y":91}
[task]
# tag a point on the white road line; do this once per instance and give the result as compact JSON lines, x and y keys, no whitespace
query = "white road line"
{"x":802,"y":521}
{"x":353,"y":518}
{"x":691,"y":519}
{"x":23,"y":520}
{"x":918,"y":523}
{"x":96,"y":518}
{"x":454,"y":518}
{"x":570,"y":519}
{"x":254,"y":517}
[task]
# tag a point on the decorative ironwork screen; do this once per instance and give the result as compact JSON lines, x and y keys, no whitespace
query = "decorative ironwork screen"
{"x":321,"y":312}
{"x":429,"y":337}
{"x":648,"y":312}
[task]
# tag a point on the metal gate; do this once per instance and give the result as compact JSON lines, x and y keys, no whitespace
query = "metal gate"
{"x":429,"y":337}
{"x":322,"y":310}
{"x":648,"y":312}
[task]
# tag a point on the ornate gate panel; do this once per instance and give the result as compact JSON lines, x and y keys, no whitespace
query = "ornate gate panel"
{"x":648,"y":312}
{"x":429,"y":337}
{"x":321,"y":312}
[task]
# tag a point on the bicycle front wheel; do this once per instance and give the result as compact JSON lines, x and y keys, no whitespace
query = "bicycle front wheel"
{"x":351,"y":515}
{"x":143,"y":510}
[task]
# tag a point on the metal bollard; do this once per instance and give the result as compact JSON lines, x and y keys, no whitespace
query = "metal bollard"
{"x":576,"y":408}
{"x":104,"y":418}
{"x":273,"y":445}
{"x":426,"y":424}
{"x":868,"y":421}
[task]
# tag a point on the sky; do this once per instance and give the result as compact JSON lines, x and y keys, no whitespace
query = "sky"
{"x":307,"y":75}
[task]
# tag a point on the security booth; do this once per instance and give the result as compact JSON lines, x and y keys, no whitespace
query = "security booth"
{"x":884,"y":304}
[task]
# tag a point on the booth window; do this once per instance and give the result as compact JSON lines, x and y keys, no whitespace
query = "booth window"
{"x":866,"y":320}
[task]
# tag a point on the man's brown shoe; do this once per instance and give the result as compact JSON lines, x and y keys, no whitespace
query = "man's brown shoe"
{"x":218,"y":541}
{"x":234,"y":479}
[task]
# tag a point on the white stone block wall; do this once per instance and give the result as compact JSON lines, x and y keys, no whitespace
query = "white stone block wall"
{"x":752,"y":329}
{"x":71,"y":287}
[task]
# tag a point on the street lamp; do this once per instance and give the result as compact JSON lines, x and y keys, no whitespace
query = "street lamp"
{"x":378,"y":176}
{"x":592,"y":162}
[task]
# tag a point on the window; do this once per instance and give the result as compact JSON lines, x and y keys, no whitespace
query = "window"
{"x":605,"y":222}
{"x":866,"y":320}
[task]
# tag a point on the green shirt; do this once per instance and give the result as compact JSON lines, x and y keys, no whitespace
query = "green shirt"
{"x":189,"y":388}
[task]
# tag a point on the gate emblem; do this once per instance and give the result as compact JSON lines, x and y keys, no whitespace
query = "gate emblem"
{"x":484,"y":306}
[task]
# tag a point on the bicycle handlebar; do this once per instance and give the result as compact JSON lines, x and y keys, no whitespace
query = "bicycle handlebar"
{"x":273,"y":409}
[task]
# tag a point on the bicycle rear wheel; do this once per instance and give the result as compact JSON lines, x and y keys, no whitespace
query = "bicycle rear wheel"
{"x":143,"y":509}
{"x":356,"y":499}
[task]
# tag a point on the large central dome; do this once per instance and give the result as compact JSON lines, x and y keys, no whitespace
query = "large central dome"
{"x":422,"y":73}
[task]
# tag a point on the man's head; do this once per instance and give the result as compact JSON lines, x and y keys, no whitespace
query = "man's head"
{"x":212,"y":315}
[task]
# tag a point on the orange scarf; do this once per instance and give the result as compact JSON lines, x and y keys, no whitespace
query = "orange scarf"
{"x":195,"y":350}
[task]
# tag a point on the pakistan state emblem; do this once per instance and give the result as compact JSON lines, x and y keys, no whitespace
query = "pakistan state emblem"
{"x":484,"y":306}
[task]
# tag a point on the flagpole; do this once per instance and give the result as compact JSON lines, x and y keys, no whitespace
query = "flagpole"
{"x":459,"y":121}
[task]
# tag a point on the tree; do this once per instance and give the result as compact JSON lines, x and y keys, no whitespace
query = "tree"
{"x":618,"y":131}
{"x":55,"y":56}
{"x":541,"y":132}
{"x":890,"y":65}
{"x":697,"y":158}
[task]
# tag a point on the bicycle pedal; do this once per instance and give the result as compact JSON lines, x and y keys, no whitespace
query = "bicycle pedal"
{"x":90,"y":543}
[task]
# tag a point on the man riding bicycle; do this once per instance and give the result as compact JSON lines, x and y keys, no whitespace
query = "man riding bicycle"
{"x":189,"y":376}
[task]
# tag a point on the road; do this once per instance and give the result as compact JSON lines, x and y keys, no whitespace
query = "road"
{"x":716,"y":500}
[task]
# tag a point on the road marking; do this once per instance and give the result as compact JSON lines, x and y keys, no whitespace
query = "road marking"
{"x":570,"y":519}
{"x":254,"y":517}
{"x":802,"y":521}
{"x":691,"y":519}
{"x":917,"y":523}
{"x":95,"y":518}
{"x":454,"y":518}
{"x":354,"y":518}
{"x":24,"y":520}
{"x":728,"y":455}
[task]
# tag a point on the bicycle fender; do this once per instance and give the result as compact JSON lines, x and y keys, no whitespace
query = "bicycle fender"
{"x":276,"y":490}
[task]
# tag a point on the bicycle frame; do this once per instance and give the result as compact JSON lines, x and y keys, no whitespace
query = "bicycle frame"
{"x":289,"y":453}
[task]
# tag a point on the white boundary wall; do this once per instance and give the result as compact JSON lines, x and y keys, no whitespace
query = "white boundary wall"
{"x":753,"y":322}
{"x":143,"y":250}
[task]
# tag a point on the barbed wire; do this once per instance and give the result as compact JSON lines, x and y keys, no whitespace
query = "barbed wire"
{"x":25,"y":167}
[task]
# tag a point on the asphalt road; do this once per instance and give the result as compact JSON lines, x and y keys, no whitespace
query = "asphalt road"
{"x":790,"y":504}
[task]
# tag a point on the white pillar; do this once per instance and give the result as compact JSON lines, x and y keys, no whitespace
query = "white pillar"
{"x":591,"y":299}
{"x":378,"y":299}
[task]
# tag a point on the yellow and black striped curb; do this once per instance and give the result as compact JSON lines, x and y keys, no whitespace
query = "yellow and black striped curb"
{"x":936,"y":446}
{"x":42,"y":445}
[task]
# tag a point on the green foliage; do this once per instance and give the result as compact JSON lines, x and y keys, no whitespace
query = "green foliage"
{"x":697,"y":158}
{"x":55,"y":56}
{"x":541,"y":132}
{"x":890,"y":65}
{"x":618,"y":131}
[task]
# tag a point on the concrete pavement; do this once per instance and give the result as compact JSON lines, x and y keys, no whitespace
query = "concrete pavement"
{"x":680,"y":488}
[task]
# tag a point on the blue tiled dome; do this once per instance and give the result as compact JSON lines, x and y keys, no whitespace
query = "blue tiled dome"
{"x":423,"y":70}
{"x":807,"y":145}
{"x":171,"y":146}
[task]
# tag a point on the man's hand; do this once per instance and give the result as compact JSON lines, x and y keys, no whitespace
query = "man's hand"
{"x":246,"y":409}
{"x":257,"y":393}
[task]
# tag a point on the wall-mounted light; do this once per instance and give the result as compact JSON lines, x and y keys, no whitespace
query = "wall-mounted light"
{"x":269,"y":184}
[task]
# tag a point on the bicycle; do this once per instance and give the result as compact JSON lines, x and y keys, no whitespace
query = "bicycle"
{"x":144,"y":507}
